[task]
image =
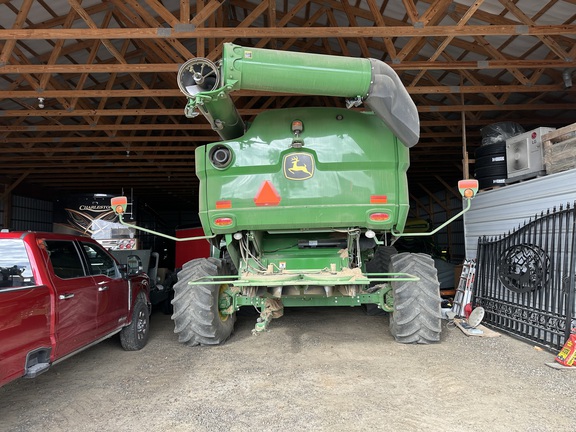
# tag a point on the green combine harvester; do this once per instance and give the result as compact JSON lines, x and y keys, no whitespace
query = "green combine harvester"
{"x":303,"y":205}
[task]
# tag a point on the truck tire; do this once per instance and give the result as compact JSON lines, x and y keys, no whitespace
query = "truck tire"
{"x":380,"y":263}
{"x":134,"y":336}
{"x":417,"y":317}
{"x":197,"y":319}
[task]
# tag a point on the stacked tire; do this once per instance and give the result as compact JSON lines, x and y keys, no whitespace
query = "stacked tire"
{"x":490,"y":167}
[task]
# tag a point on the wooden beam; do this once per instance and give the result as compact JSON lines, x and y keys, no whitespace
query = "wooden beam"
{"x":173,"y":67}
{"x":149,"y":92}
{"x":244,"y":112}
{"x":277,"y":32}
{"x":18,"y":23}
{"x":11,"y":187}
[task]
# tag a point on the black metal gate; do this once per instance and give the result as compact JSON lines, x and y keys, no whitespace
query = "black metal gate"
{"x":525,"y":279}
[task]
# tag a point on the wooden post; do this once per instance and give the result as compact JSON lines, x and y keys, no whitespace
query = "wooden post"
{"x":465,"y":160}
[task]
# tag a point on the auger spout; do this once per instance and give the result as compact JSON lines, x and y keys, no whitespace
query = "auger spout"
{"x":371,"y":81}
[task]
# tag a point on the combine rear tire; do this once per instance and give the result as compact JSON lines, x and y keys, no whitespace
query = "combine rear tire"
{"x":416,"y":317}
{"x":197,"y":317}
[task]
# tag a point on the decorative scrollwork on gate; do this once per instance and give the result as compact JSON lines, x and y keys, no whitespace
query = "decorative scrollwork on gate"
{"x":524,"y":268}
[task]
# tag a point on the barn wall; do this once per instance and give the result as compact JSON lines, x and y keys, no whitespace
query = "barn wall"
{"x":501,"y":210}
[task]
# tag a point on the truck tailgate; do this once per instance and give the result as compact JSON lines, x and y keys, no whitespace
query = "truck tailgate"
{"x":24,"y":327}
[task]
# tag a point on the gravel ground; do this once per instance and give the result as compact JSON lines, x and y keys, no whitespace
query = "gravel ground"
{"x":332,"y":369}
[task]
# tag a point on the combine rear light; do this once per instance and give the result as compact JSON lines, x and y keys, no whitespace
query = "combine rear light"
{"x":378,"y":199}
{"x":223,"y":221}
{"x":379,"y":217}
{"x":223,"y":204}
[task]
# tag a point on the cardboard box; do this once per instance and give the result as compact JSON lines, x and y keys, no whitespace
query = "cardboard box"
{"x":567,"y":355}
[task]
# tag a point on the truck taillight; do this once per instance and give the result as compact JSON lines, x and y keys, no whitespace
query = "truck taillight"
{"x":379,"y":217}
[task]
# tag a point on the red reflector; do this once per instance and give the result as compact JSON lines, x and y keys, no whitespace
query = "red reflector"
{"x":379,"y":217}
{"x":267,"y":195}
{"x":378,"y":199}
{"x":223,"y":221}
{"x":223,"y":204}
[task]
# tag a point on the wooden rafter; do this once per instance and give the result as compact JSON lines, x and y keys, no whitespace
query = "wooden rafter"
{"x":113,"y":110}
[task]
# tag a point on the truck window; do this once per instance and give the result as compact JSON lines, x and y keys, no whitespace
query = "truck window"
{"x":15,"y":268}
{"x":99,"y":262}
{"x":65,"y":259}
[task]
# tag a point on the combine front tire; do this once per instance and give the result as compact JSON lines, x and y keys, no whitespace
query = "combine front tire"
{"x":197,"y":317}
{"x":380,"y":263}
{"x":416,"y":317}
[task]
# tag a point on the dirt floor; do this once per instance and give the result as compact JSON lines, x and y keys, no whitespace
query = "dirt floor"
{"x":333,"y":369}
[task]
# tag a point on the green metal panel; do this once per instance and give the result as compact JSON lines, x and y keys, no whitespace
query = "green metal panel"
{"x":292,"y":72}
{"x":311,"y":301}
{"x":223,"y":116}
{"x":354,"y":157}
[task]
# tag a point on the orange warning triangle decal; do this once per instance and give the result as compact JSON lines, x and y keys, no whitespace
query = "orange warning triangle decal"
{"x":267,"y":195}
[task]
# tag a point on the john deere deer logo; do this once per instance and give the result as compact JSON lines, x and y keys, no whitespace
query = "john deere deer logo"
{"x":298,"y":166}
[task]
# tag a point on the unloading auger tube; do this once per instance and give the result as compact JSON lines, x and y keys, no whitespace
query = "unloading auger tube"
{"x":372,"y":82}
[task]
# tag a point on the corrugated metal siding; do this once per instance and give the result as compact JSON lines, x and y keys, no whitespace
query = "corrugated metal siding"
{"x":30,"y":214}
{"x":452,"y":236}
{"x":501,"y":210}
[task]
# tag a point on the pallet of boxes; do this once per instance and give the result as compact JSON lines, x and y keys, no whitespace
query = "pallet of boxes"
{"x":560,"y":149}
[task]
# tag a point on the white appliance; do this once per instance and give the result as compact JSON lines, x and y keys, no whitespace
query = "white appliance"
{"x":525,"y":155}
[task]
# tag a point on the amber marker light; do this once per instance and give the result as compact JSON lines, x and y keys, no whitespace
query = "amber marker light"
{"x":378,"y":199}
{"x":223,"y":204}
{"x":119,"y":204}
{"x":468,"y":188}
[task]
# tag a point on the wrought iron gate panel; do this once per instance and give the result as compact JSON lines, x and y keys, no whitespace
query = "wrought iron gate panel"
{"x":525,"y":279}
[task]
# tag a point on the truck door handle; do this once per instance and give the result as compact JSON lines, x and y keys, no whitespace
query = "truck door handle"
{"x":103,"y":288}
{"x":65,"y":296}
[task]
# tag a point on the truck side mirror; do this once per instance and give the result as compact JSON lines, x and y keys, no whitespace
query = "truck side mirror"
{"x":133,"y":265}
{"x":468,"y":188}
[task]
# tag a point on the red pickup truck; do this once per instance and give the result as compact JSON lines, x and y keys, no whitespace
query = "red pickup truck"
{"x":60,"y":294}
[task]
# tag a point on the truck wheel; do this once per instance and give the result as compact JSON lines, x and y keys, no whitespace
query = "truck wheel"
{"x":197,"y":316}
{"x":134,"y":337}
{"x":416,"y":317}
{"x":380,"y":263}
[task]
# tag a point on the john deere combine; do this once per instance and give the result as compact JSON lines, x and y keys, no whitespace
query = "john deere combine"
{"x":303,"y":204}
